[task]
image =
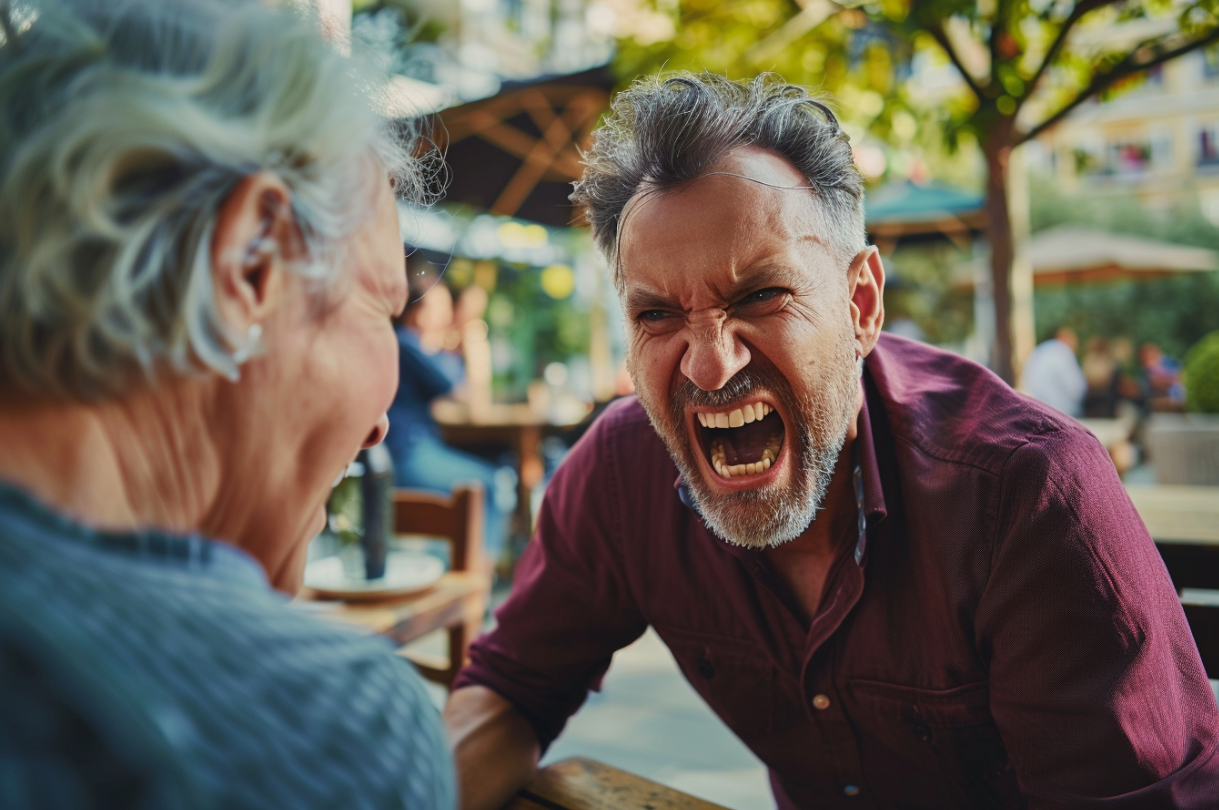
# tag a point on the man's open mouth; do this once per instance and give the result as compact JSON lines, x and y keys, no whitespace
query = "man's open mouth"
{"x":742,"y":440}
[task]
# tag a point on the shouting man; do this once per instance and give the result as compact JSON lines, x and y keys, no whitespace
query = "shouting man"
{"x":900,"y":583}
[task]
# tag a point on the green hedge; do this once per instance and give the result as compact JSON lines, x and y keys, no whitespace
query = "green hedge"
{"x":1201,"y":375}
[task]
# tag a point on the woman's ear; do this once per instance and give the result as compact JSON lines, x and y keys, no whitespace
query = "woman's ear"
{"x":866,"y":280}
{"x":255,"y":236}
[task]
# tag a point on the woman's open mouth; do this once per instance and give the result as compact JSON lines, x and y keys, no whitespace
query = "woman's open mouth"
{"x":742,"y":440}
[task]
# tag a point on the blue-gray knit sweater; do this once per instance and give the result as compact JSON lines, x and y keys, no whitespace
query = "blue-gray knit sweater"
{"x":155,"y":671}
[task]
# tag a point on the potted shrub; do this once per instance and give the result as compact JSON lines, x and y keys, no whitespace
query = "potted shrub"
{"x":1185,"y":448}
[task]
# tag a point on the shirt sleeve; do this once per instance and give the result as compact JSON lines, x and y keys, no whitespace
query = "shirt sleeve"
{"x":571,"y":607}
{"x":1095,"y":682}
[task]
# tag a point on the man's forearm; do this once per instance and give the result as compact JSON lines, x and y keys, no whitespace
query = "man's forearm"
{"x":494,"y":747}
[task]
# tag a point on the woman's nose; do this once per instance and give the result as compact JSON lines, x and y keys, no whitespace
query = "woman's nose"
{"x":378,"y":432}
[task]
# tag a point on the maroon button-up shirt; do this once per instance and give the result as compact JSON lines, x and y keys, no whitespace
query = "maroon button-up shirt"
{"x":1008,"y":637}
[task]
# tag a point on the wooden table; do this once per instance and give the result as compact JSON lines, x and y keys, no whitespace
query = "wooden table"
{"x":584,"y":784}
{"x":459,"y":600}
{"x":406,"y":619}
{"x":1177,"y":514}
{"x":518,"y":426}
{"x":1184,"y":522}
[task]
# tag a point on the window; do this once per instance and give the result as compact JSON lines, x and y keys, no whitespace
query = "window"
{"x":1210,"y":63}
{"x":1208,"y":144}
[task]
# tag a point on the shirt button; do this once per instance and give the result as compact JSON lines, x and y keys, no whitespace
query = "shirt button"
{"x":851,"y":790}
{"x":821,"y":702}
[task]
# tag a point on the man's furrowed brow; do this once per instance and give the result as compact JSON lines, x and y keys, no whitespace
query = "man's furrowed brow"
{"x":767,"y":275}
{"x":642,"y":300}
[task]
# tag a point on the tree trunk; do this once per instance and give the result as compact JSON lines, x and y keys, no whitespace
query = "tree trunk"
{"x":997,"y":148}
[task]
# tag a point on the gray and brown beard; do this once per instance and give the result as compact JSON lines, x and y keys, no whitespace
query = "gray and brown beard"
{"x":772,"y":514}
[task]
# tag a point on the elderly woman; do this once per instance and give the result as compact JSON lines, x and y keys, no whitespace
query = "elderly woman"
{"x":199,"y":270}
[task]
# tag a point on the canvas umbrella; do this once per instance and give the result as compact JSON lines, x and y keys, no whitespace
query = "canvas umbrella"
{"x":517,"y":153}
{"x":1071,"y":254}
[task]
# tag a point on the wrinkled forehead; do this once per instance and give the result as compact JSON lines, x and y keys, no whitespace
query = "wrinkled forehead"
{"x":749,"y":195}
{"x":762,"y":166}
{"x":749,"y":175}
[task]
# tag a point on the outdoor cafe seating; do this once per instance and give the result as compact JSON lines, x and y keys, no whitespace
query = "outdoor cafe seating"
{"x":1184,"y":522}
{"x":454,"y":602}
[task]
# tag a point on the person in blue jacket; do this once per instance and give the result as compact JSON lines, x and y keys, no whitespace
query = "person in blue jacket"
{"x":428,"y":371}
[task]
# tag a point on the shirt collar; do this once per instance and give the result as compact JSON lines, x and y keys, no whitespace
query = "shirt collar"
{"x":865,"y":443}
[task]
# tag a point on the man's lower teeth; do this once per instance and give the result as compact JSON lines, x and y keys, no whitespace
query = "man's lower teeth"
{"x":726,"y":470}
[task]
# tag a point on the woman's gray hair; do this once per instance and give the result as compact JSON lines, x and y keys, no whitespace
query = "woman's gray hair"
{"x":664,"y":131}
{"x":124,"y":125}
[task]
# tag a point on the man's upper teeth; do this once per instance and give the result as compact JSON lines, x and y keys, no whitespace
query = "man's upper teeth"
{"x":736,"y":417}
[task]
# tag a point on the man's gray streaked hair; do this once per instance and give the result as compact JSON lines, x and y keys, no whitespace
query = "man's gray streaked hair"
{"x":662,"y":132}
{"x":124,"y":125}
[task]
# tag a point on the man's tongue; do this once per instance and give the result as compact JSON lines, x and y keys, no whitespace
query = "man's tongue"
{"x":750,"y":448}
{"x":745,"y":444}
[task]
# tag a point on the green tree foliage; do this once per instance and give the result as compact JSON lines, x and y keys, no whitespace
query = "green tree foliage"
{"x":1023,"y":65}
{"x":921,"y":287}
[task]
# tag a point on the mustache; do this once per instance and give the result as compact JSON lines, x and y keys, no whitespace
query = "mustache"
{"x":739,"y":387}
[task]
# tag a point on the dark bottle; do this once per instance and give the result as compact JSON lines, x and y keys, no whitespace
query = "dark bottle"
{"x":376,"y":496}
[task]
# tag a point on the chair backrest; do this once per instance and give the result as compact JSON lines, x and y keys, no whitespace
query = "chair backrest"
{"x":457,"y":517}
{"x":1204,"y":624}
{"x":1191,"y":565}
{"x":460,"y":606}
{"x":1196,"y":566}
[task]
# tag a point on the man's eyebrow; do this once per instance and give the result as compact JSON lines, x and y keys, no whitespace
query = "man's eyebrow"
{"x":642,"y":300}
{"x":767,"y":275}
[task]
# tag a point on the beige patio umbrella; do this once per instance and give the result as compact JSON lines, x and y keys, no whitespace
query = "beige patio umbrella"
{"x":1070,"y":254}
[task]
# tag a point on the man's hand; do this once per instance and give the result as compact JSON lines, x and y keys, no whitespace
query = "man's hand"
{"x":494,"y":747}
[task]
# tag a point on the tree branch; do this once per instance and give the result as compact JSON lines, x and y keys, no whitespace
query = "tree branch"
{"x":1125,"y":67}
{"x":998,"y":27}
{"x":936,"y":29}
{"x":1080,"y":10}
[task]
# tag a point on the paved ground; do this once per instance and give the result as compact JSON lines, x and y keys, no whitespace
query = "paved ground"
{"x":647,"y":720}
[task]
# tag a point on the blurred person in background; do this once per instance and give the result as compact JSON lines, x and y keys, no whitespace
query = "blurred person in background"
{"x":199,"y":270}
{"x":1052,"y":373}
{"x":468,"y":311}
{"x":1160,"y":379}
{"x":427,"y":371}
{"x":898,"y":582}
{"x":1104,"y":376}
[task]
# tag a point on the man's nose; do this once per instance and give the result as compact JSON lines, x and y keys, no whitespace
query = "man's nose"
{"x":378,"y":432}
{"x":713,"y":356}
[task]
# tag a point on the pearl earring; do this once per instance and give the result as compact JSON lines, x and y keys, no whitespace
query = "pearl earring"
{"x":251,"y":341}
{"x":260,"y":248}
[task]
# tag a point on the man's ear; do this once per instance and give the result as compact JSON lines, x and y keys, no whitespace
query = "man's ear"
{"x":254,"y":237}
{"x":866,"y":283}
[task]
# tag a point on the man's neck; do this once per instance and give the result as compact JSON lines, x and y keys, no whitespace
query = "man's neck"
{"x":135,"y":463}
{"x":836,"y":518}
{"x":804,"y":563}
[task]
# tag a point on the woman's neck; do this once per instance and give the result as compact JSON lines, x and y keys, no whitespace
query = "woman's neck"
{"x":135,"y":463}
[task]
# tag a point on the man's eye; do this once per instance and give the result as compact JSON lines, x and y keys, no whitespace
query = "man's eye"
{"x":762,"y":296}
{"x":653,"y":315}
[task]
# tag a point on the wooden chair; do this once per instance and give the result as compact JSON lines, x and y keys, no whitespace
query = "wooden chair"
{"x":462,"y":600}
{"x":1184,"y":522}
{"x":1197,"y":567}
{"x":458,"y":601}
